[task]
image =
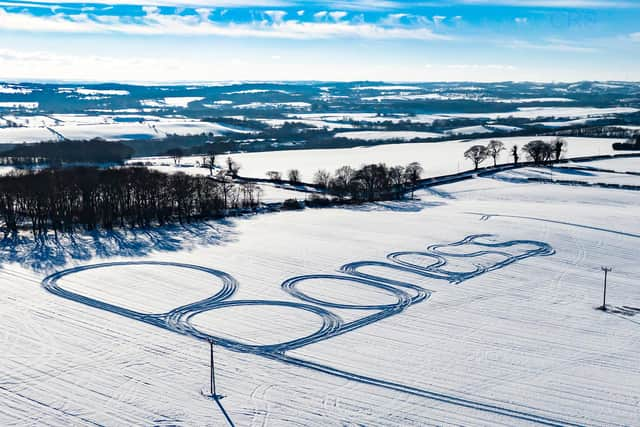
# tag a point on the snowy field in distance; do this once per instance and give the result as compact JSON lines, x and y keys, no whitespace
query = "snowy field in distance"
{"x":20,"y":135}
{"x":387,"y":135}
{"x":436,"y":158}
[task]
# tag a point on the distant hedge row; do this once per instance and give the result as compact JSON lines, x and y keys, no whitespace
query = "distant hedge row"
{"x":56,"y":153}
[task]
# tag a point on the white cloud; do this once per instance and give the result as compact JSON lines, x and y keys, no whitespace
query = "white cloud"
{"x":521,"y":21}
{"x":635,"y":37}
{"x":571,"y":4}
{"x":337,"y":15}
{"x":438,"y":19}
{"x":550,"y":44}
{"x":155,"y":23}
{"x":320,"y":15}
{"x":276,"y":15}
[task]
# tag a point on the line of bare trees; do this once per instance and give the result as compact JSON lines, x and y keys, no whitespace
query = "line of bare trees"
{"x":538,"y":151}
{"x":370,"y":182}
{"x":61,"y":200}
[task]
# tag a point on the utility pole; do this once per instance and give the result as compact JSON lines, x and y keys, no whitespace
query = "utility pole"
{"x":213,"y":373}
{"x":604,"y":296}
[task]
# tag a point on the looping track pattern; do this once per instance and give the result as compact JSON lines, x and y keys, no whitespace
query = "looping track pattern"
{"x":405,"y":293}
{"x":180,"y":319}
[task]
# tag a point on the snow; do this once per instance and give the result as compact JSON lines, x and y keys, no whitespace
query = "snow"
{"x":437,"y":158}
{"x":620,"y":164}
{"x":558,"y":112}
{"x":503,"y":128}
{"x":19,"y":105}
{"x":108,"y":132}
{"x":369,"y":117}
{"x":469,"y":130}
{"x":521,"y":344}
{"x":253,"y":105}
{"x":82,"y":119}
{"x":532,"y":100}
{"x":151,"y":129}
{"x":12,"y":90}
{"x":171,"y":101}
{"x":21,"y":135}
{"x":627,"y":127}
{"x":254,"y":91}
{"x":416,"y":97}
{"x":387,"y":87}
{"x":192,"y":127}
{"x":105,"y":92}
{"x":276,"y":123}
{"x":521,"y":113}
{"x":31,"y":121}
{"x":573,"y":173}
{"x":387,"y":135}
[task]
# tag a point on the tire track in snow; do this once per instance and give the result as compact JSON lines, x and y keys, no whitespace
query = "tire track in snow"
{"x":180,"y":319}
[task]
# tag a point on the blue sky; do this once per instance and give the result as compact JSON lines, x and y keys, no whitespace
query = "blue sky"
{"x":263,"y":40}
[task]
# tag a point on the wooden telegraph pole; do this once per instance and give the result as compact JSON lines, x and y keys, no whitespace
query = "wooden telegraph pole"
{"x":213,"y":373}
{"x":604,"y":296}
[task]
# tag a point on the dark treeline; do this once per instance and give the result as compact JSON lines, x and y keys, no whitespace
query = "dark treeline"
{"x":631,"y":144}
{"x":58,"y":153}
{"x":370,"y":182}
{"x":61,"y":200}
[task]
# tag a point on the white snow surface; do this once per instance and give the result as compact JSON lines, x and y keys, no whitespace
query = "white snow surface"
{"x":439,"y":158}
{"x":171,"y":101}
{"x":387,"y":135}
{"x":20,"y":135}
{"x":26,"y":105}
{"x":620,"y":164}
{"x":469,"y":130}
{"x":104,"y":92}
{"x":519,"y":345}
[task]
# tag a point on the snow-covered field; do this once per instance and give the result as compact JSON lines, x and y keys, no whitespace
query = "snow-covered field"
{"x":20,"y":135}
{"x":387,"y":135}
{"x":107,"y":127}
{"x":436,"y":158}
{"x":573,"y":174}
{"x":495,"y":330}
{"x":532,"y":113}
{"x":628,"y":164}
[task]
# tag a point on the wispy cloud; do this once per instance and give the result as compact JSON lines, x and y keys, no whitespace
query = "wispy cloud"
{"x":153,"y":22}
{"x":564,"y":4}
{"x":549,"y":44}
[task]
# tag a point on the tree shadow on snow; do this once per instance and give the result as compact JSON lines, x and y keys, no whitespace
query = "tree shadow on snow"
{"x":394,"y":206}
{"x":47,"y":253}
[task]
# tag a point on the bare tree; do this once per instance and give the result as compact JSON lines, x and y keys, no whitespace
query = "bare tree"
{"x":343,"y":183}
{"x":494,"y":148}
{"x":274,"y":175}
{"x":477,"y":154}
{"x":559,"y":147}
{"x":413,"y":173}
{"x":514,"y":154}
{"x":294,"y":176}
{"x":538,"y":151}
{"x":232,"y":167}
{"x":177,"y":154}
{"x":210,"y":159}
{"x":322,"y":178}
